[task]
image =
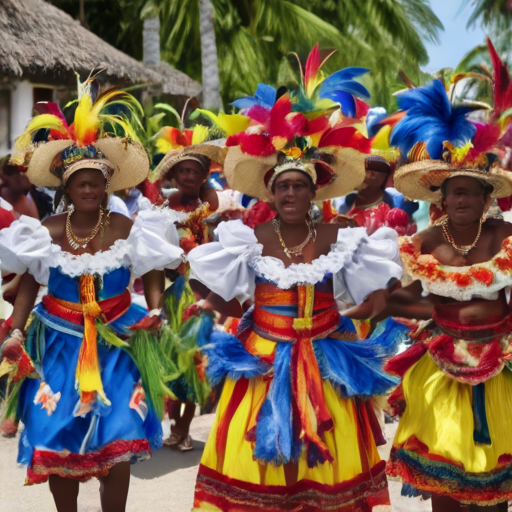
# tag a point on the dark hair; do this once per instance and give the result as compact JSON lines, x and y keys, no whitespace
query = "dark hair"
{"x":487,"y":188}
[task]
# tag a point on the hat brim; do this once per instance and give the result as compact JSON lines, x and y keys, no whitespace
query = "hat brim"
{"x":215,"y":150}
{"x":422,"y":180}
{"x":130,"y":160}
{"x":246,"y":173}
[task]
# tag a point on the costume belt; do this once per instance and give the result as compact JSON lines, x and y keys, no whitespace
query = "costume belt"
{"x":479,"y":331}
{"x":307,"y":385}
{"x":86,"y":313}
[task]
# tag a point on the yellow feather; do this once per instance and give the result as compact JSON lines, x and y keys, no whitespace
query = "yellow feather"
{"x":230,"y":124}
{"x":381,"y":140}
{"x":199,"y":134}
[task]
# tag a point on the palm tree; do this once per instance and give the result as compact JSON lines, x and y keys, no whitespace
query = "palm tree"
{"x":253,"y":36}
{"x":209,"y":61}
{"x":496,"y":17}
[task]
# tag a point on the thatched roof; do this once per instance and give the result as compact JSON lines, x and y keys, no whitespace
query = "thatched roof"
{"x":37,"y":39}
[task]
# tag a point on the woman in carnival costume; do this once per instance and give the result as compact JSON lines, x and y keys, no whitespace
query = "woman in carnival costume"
{"x":188,"y":165}
{"x":295,"y":427}
{"x":93,"y":399}
{"x":453,"y":441}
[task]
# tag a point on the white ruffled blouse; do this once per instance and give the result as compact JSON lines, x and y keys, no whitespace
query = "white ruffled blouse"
{"x":360,"y":264}
{"x":153,"y":244}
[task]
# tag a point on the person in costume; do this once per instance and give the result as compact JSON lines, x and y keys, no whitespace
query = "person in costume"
{"x":189,"y":167}
{"x":453,"y":439}
{"x":295,"y":426}
{"x":90,"y":377}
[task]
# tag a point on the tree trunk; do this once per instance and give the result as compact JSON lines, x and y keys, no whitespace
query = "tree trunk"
{"x":151,"y":42}
{"x":209,"y":62}
{"x":81,"y":15}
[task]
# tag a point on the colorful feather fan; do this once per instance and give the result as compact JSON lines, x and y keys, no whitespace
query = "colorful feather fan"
{"x":318,"y":93}
{"x":431,"y":118}
{"x":115,"y":112}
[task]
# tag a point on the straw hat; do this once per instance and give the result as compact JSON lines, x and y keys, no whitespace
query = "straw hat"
{"x":215,"y":150}
{"x":246,"y":173}
{"x":129,"y":158}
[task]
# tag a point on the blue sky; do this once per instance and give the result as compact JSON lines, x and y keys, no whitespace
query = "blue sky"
{"x":455,"y":40}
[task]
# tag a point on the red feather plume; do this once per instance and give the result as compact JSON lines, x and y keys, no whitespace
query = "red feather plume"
{"x":347,"y":137}
{"x":486,"y":136}
{"x":502,"y":82}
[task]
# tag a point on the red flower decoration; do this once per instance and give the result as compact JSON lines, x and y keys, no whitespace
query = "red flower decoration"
{"x":482,"y":275}
{"x":461,"y":279}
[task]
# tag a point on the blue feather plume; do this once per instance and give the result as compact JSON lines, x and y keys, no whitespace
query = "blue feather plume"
{"x":373,"y":118}
{"x":431,"y":118}
{"x":341,"y":88}
{"x":265,"y":96}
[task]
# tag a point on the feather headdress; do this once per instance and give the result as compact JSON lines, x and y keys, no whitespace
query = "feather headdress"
{"x":441,"y":143}
{"x":104,"y":127}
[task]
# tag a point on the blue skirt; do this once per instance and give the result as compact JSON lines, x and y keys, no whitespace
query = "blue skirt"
{"x":56,"y":440}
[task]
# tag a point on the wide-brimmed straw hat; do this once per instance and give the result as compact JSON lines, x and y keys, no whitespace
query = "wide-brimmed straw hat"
{"x":215,"y":150}
{"x":129,"y":159}
{"x":247,"y":173}
{"x":423,"y":180}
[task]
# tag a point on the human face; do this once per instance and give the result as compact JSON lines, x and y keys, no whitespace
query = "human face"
{"x":189,"y":176}
{"x":374,"y":179}
{"x":465,"y":202}
{"x":293,"y":193}
{"x":86,"y":189}
{"x":16,"y":181}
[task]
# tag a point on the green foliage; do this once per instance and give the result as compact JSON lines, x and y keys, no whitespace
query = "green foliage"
{"x":253,"y":37}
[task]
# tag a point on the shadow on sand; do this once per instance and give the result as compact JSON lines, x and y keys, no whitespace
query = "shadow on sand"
{"x":166,"y":461}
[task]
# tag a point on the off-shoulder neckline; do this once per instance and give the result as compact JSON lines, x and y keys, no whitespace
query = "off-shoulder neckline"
{"x":465,"y":268}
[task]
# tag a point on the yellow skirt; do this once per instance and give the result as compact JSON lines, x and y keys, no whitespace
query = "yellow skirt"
{"x":434,"y":450}
{"x":230,"y":479}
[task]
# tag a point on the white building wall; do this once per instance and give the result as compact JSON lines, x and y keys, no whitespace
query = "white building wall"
{"x":22,"y":102}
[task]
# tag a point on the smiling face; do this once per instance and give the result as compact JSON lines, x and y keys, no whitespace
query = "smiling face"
{"x":293,"y":192}
{"x":465,"y":199}
{"x":86,"y":189}
{"x":189,"y":176}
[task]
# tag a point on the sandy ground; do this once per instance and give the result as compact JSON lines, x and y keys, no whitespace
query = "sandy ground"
{"x":163,"y":484}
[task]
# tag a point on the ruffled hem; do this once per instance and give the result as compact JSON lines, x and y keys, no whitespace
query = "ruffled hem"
{"x":361,"y":493}
{"x":88,"y":465}
{"x":430,"y":473}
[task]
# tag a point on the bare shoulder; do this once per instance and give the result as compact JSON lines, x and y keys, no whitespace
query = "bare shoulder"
{"x":504,"y":228}
{"x":263,"y":231}
{"x":121,"y":224}
{"x":55,"y":223}
{"x":328,"y":232}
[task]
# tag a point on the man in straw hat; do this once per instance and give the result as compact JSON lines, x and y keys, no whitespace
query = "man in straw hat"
{"x":92,"y":391}
{"x":453,"y":441}
{"x":292,"y":429}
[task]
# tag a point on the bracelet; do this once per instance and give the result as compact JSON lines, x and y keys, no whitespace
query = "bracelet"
{"x":155,"y":312}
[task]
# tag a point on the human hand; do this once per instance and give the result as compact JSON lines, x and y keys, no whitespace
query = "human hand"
{"x":12,"y":347}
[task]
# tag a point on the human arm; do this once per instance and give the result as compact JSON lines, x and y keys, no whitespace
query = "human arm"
{"x":154,"y":285}
{"x":25,"y":300}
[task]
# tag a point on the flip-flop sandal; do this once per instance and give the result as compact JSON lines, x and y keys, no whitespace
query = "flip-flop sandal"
{"x":173,"y":440}
{"x":186,"y":445}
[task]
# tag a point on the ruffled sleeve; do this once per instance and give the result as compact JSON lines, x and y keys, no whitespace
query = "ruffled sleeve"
{"x":225,"y":266}
{"x":26,"y":245}
{"x":375,"y":261}
{"x":154,"y":242}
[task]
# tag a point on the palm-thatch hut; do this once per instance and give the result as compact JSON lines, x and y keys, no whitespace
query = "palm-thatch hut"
{"x":42,"y":47}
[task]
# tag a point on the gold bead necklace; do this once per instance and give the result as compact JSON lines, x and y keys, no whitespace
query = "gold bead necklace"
{"x":81,"y":243}
{"x":297,"y":250}
{"x":461,"y":249}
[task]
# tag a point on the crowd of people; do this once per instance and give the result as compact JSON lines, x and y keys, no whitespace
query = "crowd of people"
{"x":321,"y":261}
